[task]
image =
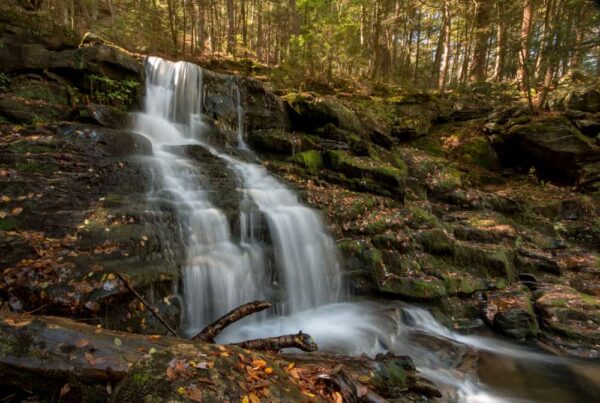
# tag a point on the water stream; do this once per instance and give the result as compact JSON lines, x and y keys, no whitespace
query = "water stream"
{"x":223,"y":270}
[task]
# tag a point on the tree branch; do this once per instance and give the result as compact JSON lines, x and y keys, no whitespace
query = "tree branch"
{"x":211,"y":331}
{"x":301,"y":341}
{"x":147,"y":305}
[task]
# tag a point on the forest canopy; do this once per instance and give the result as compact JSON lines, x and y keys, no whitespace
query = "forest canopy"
{"x":429,"y":44}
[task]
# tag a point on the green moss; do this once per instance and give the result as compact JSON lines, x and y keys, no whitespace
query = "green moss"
{"x":34,"y":167}
{"x":24,"y":148}
{"x":360,"y":167}
{"x":422,"y":218}
{"x":311,"y":160}
{"x":414,"y":288}
{"x":42,"y":92}
{"x":8,"y":224}
{"x":462,"y":285}
{"x":436,"y":241}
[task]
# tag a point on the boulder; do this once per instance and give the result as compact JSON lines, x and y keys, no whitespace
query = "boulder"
{"x":261,"y":109}
{"x":552,"y":145}
{"x":570,"y":320}
{"x":510,"y":311}
{"x":310,"y":112}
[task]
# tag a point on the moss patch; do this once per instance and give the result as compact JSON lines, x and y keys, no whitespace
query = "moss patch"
{"x":311,"y":160}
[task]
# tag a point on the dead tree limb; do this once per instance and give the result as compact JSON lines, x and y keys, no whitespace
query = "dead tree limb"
{"x":211,"y":331}
{"x":301,"y":341}
{"x":146,"y":304}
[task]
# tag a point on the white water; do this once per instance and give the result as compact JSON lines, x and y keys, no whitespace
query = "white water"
{"x":221,"y":272}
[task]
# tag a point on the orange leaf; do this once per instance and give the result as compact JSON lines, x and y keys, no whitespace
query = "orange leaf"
{"x":82,"y":343}
{"x":65,"y":389}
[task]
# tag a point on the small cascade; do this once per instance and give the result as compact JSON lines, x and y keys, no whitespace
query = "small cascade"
{"x":240,"y":117}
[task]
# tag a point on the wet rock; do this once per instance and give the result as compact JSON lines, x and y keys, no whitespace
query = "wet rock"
{"x":570,"y":320}
{"x":262,"y":110}
{"x":107,"y":116}
{"x":511,"y":312}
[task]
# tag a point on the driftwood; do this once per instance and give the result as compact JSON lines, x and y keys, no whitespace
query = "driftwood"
{"x":146,"y":304}
{"x":211,"y":331}
{"x":301,"y":341}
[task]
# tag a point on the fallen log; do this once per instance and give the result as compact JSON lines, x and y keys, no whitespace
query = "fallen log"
{"x":211,"y":331}
{"x":300,"y":341}
{"x":48,"y":352}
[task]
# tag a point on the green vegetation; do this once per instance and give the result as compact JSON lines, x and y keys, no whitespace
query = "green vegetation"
{"x":4,"y":81}
{"x":117,"y":93}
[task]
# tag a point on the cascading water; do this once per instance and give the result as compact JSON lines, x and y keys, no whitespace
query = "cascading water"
{"x":218,"y":274}
{"x":221,"y":272}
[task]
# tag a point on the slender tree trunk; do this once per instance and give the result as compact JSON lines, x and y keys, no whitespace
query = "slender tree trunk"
{"x":418,"y":54}
{"x":230,"y":28}
{"x":171,"y":12}
{"x":445,"y":59}
{"x":500,"y":43}
{"x":482,"y":34}
{"x":524,"y":41}
{"x":259,"y":32}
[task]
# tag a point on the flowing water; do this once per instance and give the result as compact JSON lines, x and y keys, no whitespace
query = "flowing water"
{"x":222,"y":269}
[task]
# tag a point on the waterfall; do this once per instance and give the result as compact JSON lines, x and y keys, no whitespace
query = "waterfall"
{"x":222,"y":270}
{"x":218,"y":274}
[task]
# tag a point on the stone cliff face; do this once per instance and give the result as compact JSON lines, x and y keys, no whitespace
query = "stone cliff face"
{"x":431,"y":199}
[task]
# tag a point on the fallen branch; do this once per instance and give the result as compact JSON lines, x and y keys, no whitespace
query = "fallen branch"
{"x":147,"y":305}
{"x":300,"y":341}
{"x":211,"y":331}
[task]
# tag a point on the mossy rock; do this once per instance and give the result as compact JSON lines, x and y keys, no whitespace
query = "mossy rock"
{"x":277,"y":141}
{"x":487,"y":261}
{"x":417,"y":289}
{"x":311,"y":160}
{"x":310,"y":112}
{"x":361,"y":167}
{"x":511,"y":312}
{"x":567,"y":313}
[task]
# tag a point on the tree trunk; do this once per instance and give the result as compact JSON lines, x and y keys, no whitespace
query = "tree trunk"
{"x":171,"y":11}
{"x":482,"y":34}
{"x":418,"y":52}
{"x":445,"y":58}
{"x":500,"y":43}
{"x":524,"y":41}
{"x":230,"y":28}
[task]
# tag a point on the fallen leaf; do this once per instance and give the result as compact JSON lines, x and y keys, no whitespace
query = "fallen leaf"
{"x":245,"y":399}
{"x":17,"y":211}
{"x":109,"y":389}
{"x":82,"y":343}
{"x":118,"y":342}
{"x":65,"y":389}
{"x":268,"y":370}
{"x":194,"y":394}
{"x":3,"y":214}
{"x":253,"y":398}
{"x":258,"y":364}
{"x":6,"y":199}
